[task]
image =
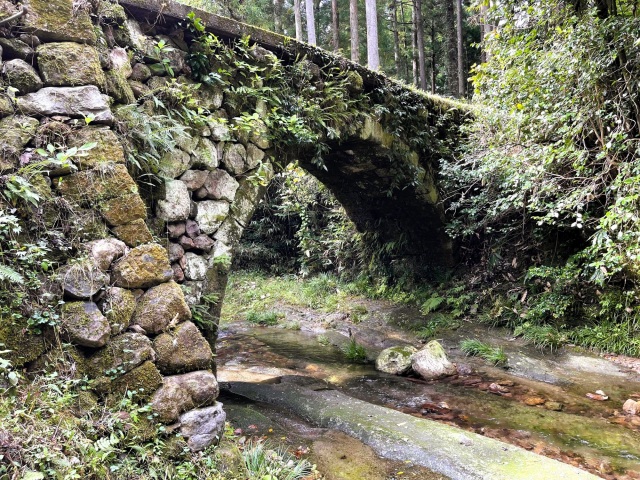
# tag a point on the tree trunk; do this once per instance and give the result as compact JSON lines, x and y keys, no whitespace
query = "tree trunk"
{"x":396,"y":36}
{"x":433,"y":55}
{"x":373,"y":57}
{"x":335,"y":25}
{"x":298,"y":16}
{"x":419,"y":26}
{"x":450,"y":47}
{"x":353,"y":21}
{"x":414,"y":45}
{"x":277,"y":15}
{"x":311,"y":23}
{"x":461,"y":89}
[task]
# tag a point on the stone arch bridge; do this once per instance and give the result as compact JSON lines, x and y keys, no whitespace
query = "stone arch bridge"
{"x":183,"y":130}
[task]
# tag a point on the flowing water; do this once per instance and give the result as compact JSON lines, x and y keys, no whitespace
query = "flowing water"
{"x":538,"y":404}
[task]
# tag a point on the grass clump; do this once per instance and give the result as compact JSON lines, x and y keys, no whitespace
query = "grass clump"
{"x":354,"y":352}
{"x":264,"y":318}
{"x":476,"y":348}
{"x":437,"y":323}
{"x":266,"y":462}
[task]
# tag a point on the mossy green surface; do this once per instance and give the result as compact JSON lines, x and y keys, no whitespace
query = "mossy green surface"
{"x":23,"y":346}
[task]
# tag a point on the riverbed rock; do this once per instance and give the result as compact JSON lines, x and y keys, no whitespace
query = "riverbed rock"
{"x":431,"y":362}
{"x":180,"y":393}
{"x":395,"y":360}
{"x":19,"y":74}
{"x":203,"y":426}
{"x":161,"y":306}
{"x":69,"y":64}
{"x":82,"y":280}
{"x":176,"y":204}
{"x":631,"y":407}
{"x":75,"y":102}
{"x":182,"y":350}
{"x":143,"y":267}
{"x":84,"y":324}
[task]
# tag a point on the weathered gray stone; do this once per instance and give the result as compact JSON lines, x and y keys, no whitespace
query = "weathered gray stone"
{"x":234,"y":158}
{"x":176,"y":230}
{"x":84,"y":324}
{"x":260,"y":135}
{"x":193,"y":292}
{"x":192,"y":228}
{"x":194,"y":179}
{"x":211,"y":214}
{"x":76,"y":102}
{"x":182,"y":350}
{"x":93,"y":187}
{"x":160,"y":307}
{"x":140,"y":72}
{"x":15,"y":132}
{"x":118,"y":306}
{"x":120,"y":61}
{"x":58,"y":21}
{"x":82,"y":280}
{"x":19,"y":74}
{"x":221,"y":186}
{"x":139,"y":89}
{"x":176,"y":252}
{"x":254,"y":156}
{"x":203,"y":427}
{"x":15,"y":48}
{"x":104,"y":251}
{"x":180,"y":393}
{"x":431,"y":362}
{"x":118,"y":87}
{"x":203,"y":242}
{"x":178,"y":273}
{"x":122,"y":354}
{"x":176,"y":205}
{"x":68,"y":64}
{"x":174,"y":163}
{"x":130,"y":35}
{"x":6,"y":106}
{"x":195,"y":267}
{"x":219,"y":130}
{"x":395,"y":360}
{"x":143,"y":267}
{"x":230,"y":232}
{"x":205,"y":155}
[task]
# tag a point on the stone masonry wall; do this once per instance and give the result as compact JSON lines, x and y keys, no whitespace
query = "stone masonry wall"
{"x":138,"y":261}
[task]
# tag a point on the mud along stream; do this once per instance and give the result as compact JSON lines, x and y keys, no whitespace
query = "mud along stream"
{"x":538,"y":404}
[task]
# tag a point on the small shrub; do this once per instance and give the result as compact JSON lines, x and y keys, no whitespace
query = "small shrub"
{"x":476,"y":348}
{"x":264,"y":462}
{"x":354,"y":351}
{"x":264,"y":318}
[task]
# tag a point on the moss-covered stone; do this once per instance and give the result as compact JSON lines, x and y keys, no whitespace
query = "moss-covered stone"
{"x":15,"y":132}
{"x":134,"y":233}
{"x":23,"y":346}
{"x":143,"y":267}
{"x":87,"y":226}
{"x":83,"y":324}
{"x":395,"y":360}
{"x":107,"y":150}
{"x":161,"y":306}
{"x":121,"y":355}
{"x":82,"y":280}
{"x":69,"y":64}
{"x":180,"y":393}
{"x":123,"y":209}
{"x":182,"y":350}
{"x":118,"y":306}
{"x":111,"y":13}
{"x":6,"y":106}
{"x":58,"y":21}
{"x":118,"y":87}
{"x":145,"y":380}
{"x":104,"y":182}
{"x":22,"y":76}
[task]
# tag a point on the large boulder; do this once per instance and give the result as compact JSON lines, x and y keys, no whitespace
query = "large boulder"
{"x":211,"y":214}
{"x":431,"y":362}
{"x":122,"y":354}
{"x":180,"y":393}
{"x":21,"y":75}
{"x":395,"y":360}
{"x":59,"y":21}
{"x":161,"y":306}
{"x":84,"y":324}
{"x":82,"y":280}
{"x":182,"y":350}
{"x":69,"y":64}
{"x":76,"y":102}
{"x":118,"y":306}
{"x":176,"y":204}
{"x":203,"y":426}
{"x":143,"y":267}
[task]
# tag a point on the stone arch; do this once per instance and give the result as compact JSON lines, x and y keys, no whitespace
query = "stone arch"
{"x":128,"y":247}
